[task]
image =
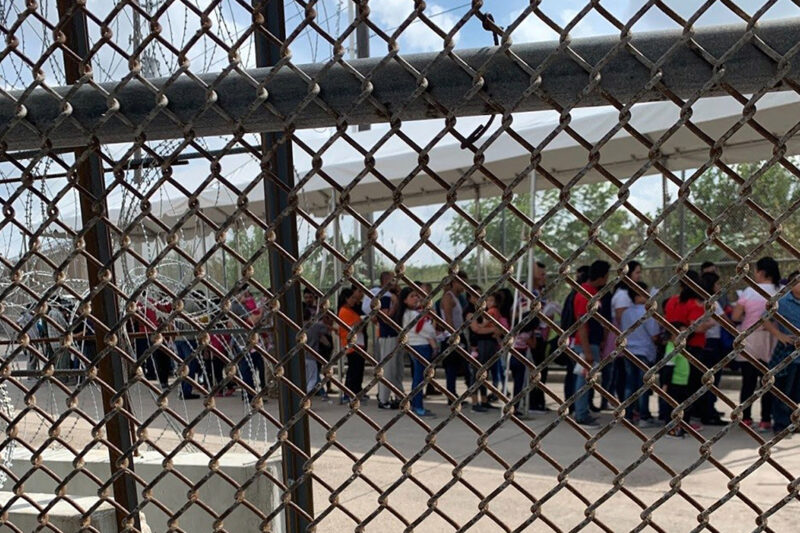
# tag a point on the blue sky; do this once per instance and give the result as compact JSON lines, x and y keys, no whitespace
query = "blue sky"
{"x":230,"y":19}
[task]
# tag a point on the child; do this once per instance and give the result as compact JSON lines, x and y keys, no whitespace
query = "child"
{"x":678,"y":384}
{"x":642,"y":344}
{"x":421,"y":341}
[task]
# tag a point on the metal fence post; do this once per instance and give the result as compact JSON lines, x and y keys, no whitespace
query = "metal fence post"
{"x":105,"y":314}
{"x":278,"y":170}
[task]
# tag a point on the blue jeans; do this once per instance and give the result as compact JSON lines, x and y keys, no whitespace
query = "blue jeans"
{"x":582,"y":401}
{"x":788,"y":382}
{"x":418,"y":372}
{"x":186,"y":351}
{"x":634,"y":379}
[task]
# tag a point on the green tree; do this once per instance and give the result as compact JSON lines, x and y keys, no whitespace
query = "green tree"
{"x":562,"y":232}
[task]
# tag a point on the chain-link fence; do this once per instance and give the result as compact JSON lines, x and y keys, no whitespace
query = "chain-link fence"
{"x":187,"y":344}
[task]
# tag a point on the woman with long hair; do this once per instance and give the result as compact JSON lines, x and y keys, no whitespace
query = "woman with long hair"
{"x":614,"y":374}
{"x":759,"y":343}
{"x":421,"y":343}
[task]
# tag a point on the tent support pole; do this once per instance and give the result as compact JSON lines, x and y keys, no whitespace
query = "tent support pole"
{"x":337,"y":274}
{"x":525,"y":402}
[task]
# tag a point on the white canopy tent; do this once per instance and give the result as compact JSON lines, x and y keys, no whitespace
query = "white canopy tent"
{"x":563,"y":156}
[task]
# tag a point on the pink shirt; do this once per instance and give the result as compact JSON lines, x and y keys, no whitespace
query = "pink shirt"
{"x":754,"y":304}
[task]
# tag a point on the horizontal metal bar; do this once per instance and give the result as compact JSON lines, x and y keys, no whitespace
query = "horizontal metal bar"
{"x":747,"y":70}
{"x":43,"y":374}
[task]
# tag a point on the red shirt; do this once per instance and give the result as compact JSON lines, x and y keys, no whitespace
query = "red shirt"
{"x":351,"y":318}
{"x":686,"y":313}
{"x":580,"y":305}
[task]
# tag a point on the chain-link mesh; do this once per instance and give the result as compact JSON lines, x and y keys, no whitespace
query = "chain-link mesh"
{"x":176,"y":269}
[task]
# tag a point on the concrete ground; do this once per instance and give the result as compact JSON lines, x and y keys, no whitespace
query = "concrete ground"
{"x":385,"y":471}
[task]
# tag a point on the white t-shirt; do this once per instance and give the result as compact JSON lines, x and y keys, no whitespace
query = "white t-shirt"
{"x":620,"y":300}
{"x":366,"y":303}
{"x":425,"y":334}
{"x":715,"y":331}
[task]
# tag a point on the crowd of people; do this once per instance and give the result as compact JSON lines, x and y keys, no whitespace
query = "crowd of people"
{"x":428,"y":332}
{"x":414,"y":326}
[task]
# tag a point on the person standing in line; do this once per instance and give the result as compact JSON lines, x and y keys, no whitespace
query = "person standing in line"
{"x":641,"y":342}
{"x":351,"y":338}
{"x":588,"y":338}
{"x":421,"y":343}
{"x":251,"y":364}
{"x":567,"y":319}
{"x":615,"y":373}
{"x":787,"y":380}
{"x":452,"y":313}
{"x":312,"y":342}
{"x":310,"y":300}
{"x":538,"y":346}
{"x":504,"y":303}
{"x":760,"y":343}
{"x":713,"y":352}
{"x":484,"y":334}
{"x":479,"y":396}
{"x":710,"y":268}
{"x":387,"y":345}
{"x":686,"y":309}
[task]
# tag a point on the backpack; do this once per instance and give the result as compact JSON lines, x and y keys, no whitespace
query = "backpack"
{"x":566,"y":321}
{"x":568,"y":312}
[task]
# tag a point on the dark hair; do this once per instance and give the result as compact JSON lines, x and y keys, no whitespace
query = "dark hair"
{"x":770,"y":267}
{"x":598,"y":269}
{"x":583,"y":274}
{"x":540,"y":264}
{"x":706,"y":264}
{"x":401,"y":307}
{"x":307,"y":291}
{"x":344,"y":295}
{"x":687,"y":293}
{"x":385,"y":275}
{"x":632,"y":265}
{"x":632,"y":292}
{"x":708,"y":280}
{"x":792,"y":276}
{"x":505,"y":302}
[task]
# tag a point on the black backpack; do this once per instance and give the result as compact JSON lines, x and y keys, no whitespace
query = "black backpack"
{"x":568,"y":312}
{"x":566,"y":321}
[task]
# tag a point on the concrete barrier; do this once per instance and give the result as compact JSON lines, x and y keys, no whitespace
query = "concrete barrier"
{"x":171,"y":491}
{"x":63,"y":516}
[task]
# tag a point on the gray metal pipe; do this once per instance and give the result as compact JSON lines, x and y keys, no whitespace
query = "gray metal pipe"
{"x":747,"y":70}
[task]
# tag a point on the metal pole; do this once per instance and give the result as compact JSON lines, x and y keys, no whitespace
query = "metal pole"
{"x":337,"y":274}
{"x":104,"y":311}
{"x":278,"y":179}
{"x":361,"y":52}
{"x":531,"y":266}
{"x":748,"y":70}
{"x":479,"y":251}
{"x":682,"y":215}
{"x":664,"y":202}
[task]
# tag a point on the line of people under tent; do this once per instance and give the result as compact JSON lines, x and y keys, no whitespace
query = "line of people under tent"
{"x":246,"y":331}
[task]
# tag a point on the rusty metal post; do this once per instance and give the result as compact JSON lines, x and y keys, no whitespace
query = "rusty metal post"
{"x":278,"y":175}
{"x":101,"y":274}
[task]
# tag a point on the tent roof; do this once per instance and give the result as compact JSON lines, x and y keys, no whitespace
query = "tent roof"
{"x":396,"y":156}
